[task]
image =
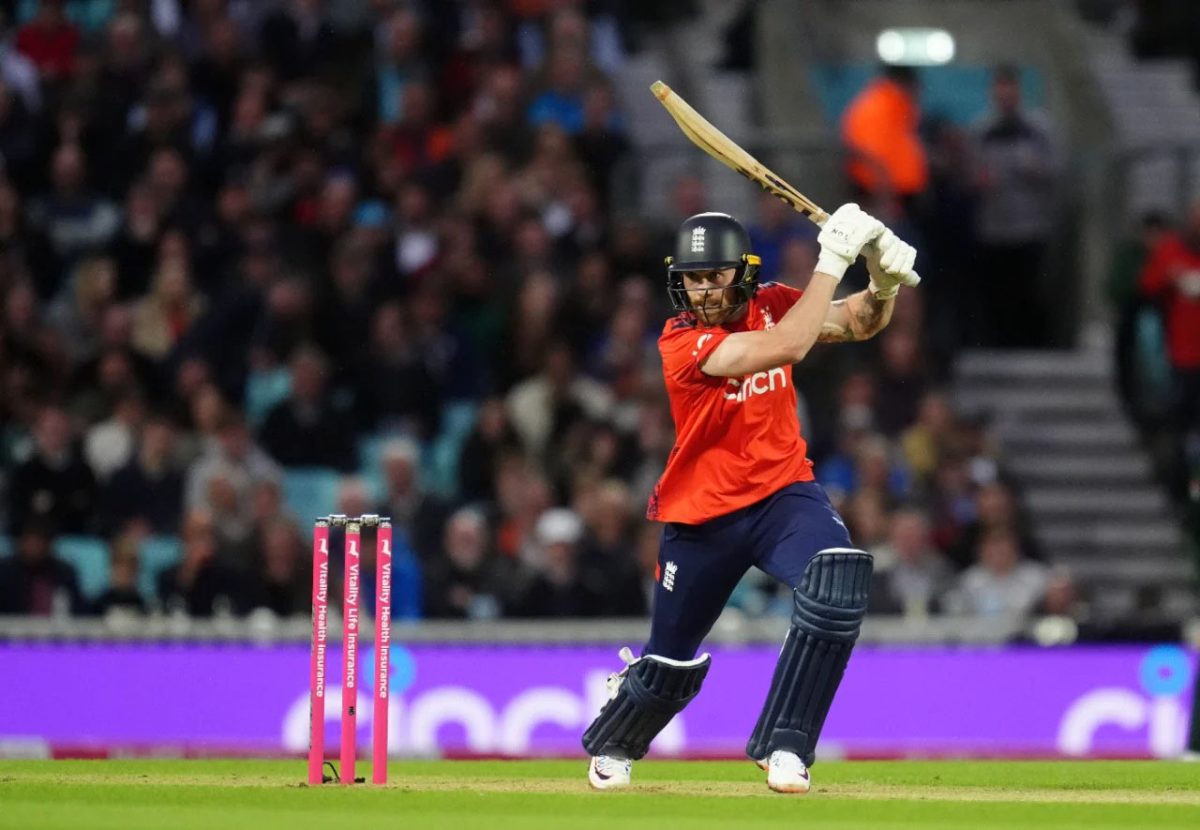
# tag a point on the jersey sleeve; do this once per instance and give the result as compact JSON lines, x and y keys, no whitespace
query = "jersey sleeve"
{"x":683,"y":349}
{"x":779,"y":297}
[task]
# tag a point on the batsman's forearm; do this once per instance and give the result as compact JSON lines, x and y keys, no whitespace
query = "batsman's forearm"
{"x":869,"y":315}
{"x":865,"y":316}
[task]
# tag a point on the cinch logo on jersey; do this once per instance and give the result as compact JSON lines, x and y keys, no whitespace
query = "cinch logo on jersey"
{"x":697,"y":240}
{"x":758,"y":383}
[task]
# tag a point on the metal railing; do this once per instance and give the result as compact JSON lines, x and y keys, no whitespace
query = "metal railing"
{"x":1181,"y":158}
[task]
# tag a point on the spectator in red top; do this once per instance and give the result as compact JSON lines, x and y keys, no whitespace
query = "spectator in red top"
{"x":418,"y":141}
{"x":1172,"y":278}
{"x":50,"y":41}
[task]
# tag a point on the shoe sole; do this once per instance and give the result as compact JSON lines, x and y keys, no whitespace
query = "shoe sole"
{"x":602,"y":788}
{"x":789,"y":790}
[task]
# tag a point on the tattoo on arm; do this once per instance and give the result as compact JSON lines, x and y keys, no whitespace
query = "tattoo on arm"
{"x":865,"y":317}
{"x":835,"y":332}
{"x":870,"y":315}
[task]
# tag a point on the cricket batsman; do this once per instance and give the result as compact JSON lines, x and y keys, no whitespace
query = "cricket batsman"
{"x":738,"y":489}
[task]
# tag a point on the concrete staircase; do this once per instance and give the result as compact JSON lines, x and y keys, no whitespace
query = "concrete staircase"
{"x":685,"y":57}
{"x":1156,"y":113}
{"x":724,"y":97}
{"x":660,"y":149}
{"x":1087,"y":483}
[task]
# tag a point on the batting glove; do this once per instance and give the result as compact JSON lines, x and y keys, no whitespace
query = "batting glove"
{"x":842,"y":238}
{"x":890,"y":263}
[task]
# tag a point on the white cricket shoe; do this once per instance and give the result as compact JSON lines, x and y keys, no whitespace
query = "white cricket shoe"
{"x":608,"y":773}
{"x":786,"y":773}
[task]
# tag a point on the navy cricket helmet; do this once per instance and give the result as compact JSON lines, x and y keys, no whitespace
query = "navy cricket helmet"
{"x":711,"y":242}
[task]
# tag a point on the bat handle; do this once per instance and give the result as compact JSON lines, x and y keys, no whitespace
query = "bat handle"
{"x":818,"y":217}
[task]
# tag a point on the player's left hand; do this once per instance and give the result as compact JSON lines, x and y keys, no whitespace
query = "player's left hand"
{"x":890,"y":263}
{"x":843,"y":236}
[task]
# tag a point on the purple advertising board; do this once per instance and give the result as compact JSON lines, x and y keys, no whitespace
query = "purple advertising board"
{"x":534,"y":700}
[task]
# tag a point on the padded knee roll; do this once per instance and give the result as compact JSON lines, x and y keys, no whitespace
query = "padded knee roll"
{"x":829,"y":607}
{"x":651,"y":691}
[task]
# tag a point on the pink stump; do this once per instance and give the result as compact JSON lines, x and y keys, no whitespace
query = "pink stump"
{"x":350,"y":650}
{"x":383,"y":642}
{"x":316,"y":674}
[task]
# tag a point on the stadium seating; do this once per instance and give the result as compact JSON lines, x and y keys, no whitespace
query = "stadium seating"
{"x":440,"y":473}
{"x":156,"y":555}
{"x":310,"y":492}
{"x":369,"y":467}
{"x":89,"y":556}
{"x":265,"y":389}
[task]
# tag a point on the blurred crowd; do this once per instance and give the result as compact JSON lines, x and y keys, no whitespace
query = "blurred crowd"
{"x":241,"y":241}
{"x":1154,"y":281}
{"x":1154,"y":289}
{"x":980,"y":200}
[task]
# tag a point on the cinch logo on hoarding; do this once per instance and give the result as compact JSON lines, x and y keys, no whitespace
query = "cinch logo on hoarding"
{"x":415,"y":722}
{"x":1157,"y":706}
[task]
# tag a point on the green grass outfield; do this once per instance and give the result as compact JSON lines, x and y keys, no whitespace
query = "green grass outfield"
{"x":264,"y":795}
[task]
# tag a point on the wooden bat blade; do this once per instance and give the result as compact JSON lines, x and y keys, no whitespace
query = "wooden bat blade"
{"x":715,"y":143}
{"x":700,"y":131}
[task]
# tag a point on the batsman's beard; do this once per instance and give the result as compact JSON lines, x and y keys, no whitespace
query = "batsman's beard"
{"x":712,"y":314}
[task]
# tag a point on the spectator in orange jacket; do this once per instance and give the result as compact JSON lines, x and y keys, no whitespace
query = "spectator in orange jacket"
{"x":887,"y":160}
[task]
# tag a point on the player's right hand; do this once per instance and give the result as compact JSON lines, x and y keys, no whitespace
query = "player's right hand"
{"x":890,"y":263}
{"x":842,"y":238}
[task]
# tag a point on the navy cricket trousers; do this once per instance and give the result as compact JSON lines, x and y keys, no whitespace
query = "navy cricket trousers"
{"x":700,"y":565}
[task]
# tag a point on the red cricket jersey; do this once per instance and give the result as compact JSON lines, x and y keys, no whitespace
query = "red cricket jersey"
{"x":737,"y":441}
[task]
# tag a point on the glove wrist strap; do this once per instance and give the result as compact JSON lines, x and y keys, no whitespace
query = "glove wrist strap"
{"x":831,"y":264}
{"x":880,"y":293}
